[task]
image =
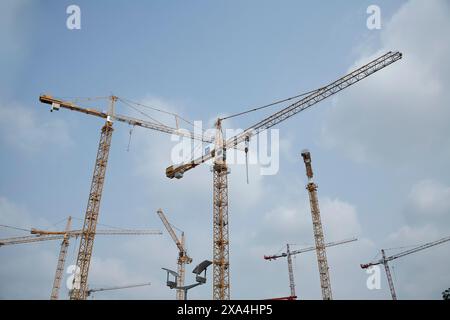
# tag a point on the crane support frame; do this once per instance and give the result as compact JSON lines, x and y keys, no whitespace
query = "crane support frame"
{"x":325,"y":282}
{"x":61,"y":262}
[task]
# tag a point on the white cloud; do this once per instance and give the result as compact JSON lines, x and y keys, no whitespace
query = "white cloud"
{"x":400,"y":115}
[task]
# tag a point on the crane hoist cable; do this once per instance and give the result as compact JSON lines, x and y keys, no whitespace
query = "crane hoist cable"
{"x":139,"y":111}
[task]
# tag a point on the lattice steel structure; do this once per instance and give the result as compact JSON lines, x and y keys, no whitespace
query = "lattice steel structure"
{"x":79,"y":292}
{"x":322,"y":262}
{"x":61,"y":262}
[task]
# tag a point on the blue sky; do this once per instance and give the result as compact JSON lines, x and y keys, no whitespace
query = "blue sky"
{"x":202,"y":59}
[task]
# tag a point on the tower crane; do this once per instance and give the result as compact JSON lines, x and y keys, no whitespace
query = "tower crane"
{"x":42,"y":235}
{"x":288,"y":254}
{"x":221,"y":273}
{"x":384,"y":260}
{"x":91,"y":291}
{"x":183,"y":258}
{"x":95,"y":194}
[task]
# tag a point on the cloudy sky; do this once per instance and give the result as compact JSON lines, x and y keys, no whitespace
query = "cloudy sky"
{"x":380,"y":149}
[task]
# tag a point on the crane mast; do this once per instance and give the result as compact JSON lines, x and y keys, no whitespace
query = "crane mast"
{"x":288,"y":254}
{"x":322,"y":262}
{"x":183,"y":258}
{"x":221,"y":274}
{"x":389,"y":276}
{"x":61,"y":262}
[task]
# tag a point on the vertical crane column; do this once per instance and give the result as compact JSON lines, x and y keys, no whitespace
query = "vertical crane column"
{"x":181,"y":270}
{"x":221,"y":274}
{"x":61,"y":262}
{"x":388,"y":275}
{"x":221,"y":277}
{"x":291,"y":271}
{"x":183,"y":258}
{"x":317,"y":228}
{"x":92,"y":211}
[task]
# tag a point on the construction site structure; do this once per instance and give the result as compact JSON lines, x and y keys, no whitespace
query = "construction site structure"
{"x":288,"y":254}
{"x":221,"y":274}
{"x":98,"y":179}
{"x":385,"y":261}
{"x":91,"y":291}
{"x":183,"y":257}
{"x":325,"y":282}
{"x":42,"y":235}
